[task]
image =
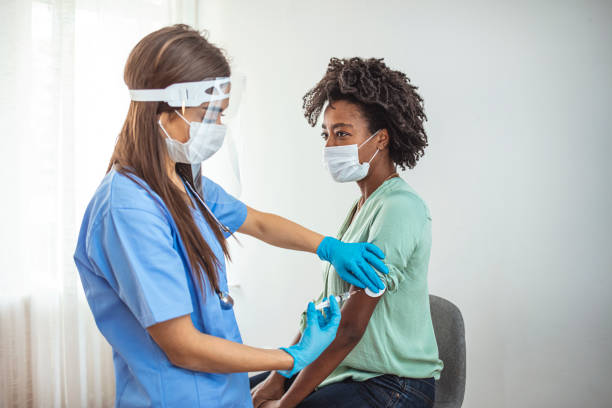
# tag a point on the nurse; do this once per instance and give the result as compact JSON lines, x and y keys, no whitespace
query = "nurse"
{"x":152,"y":246}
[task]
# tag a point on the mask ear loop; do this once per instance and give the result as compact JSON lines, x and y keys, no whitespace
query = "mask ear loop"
{"x":370,"y":161}
{"x":369,"y":138}
{"x":181,"y":116}
{"x":377,"y":149}
{"x":163,"y":129}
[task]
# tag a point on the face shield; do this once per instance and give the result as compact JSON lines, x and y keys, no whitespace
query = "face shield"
{"x":224,"y":167}
{"x":221,"y":97}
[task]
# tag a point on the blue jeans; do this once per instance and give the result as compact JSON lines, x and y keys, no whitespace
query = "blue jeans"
{"x":385,"y":391}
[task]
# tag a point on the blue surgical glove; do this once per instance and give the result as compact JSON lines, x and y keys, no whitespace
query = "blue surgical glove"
{"x":320,"y":331}
{"x":354,"y":261}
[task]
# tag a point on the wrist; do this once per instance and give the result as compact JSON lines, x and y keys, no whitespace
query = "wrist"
{"x":317,"y":242}
{"x":291,"y":370}
{"x":287,"y":362}
{"x":323,"y":250}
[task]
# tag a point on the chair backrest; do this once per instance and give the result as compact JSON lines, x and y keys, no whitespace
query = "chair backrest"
{"x":450,"y":336}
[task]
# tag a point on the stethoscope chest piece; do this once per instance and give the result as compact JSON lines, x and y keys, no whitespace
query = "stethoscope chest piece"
{"x":226,"y":300}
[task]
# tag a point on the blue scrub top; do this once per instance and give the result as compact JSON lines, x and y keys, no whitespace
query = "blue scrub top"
{"x":135,"y":273}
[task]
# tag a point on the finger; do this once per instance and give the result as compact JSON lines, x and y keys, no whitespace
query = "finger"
{"x":311,"y":314}
{"x":328,"y":308}
{"x":334,"y":312}
{"x":368,"y":270}
{"x":357,"y":274}
{"x":259,"y":402}
{"x":321,"y":318}
{"x":375,"y":250}
{"x":353,"y":281}
{"x":349,"y":278}
{"x":376,"y":262}
{"x":372,"y":279}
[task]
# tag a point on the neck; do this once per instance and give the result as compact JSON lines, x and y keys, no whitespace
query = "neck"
{"x":172,"y":174}
{"x":377,"y":175}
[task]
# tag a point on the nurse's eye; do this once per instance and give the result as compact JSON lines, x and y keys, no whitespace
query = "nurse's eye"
{"x":324,"y":136}
{"x":341,"y":134}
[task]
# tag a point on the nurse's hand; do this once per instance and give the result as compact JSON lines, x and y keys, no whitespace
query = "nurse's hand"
{"x":354,"y":261}
{"x":320,"y":331}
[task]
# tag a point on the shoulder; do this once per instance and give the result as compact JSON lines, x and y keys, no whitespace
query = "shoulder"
{"x":128,"y":191}
{"x":401,"y":200}
{"x":214,"y":194}
{"x":208,"y":184}
{"x":121,"y":204}
{"x":119,"y":192}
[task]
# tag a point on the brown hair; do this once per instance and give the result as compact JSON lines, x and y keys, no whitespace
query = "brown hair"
{"x":172,"y":54}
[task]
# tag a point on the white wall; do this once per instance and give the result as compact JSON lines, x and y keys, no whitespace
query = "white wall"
{"x":516,"y":175}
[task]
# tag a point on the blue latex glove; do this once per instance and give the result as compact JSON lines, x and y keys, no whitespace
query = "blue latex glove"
{"x":354,"y":261}
{"x":320,"y":331}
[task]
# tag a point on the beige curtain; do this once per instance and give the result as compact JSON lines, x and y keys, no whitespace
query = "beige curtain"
{"x":62,"y":102}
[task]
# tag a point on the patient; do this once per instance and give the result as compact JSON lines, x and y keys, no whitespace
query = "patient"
{"x":385,"y":352}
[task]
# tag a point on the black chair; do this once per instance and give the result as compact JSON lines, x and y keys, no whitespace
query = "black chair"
{"x":450,"y":336}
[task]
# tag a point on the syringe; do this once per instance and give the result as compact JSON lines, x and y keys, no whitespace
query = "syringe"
{"x":344,"y":296}
{"x":339,"y":298}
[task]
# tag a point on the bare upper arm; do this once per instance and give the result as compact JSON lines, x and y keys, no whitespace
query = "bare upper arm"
{"x":252,"y":224}
{"x":356,"y":313}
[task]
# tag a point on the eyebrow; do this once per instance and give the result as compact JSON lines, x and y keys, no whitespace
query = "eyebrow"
{"x":337,"y":125}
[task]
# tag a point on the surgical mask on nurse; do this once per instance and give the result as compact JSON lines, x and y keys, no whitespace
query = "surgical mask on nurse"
{"x":205,"y":139}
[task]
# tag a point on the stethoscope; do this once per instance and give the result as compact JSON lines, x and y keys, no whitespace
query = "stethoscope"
{"x":226,"y":300}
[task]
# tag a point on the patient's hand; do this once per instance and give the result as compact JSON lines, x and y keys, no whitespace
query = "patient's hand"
{"x":271,"y":404}
{"x":272,"y":388}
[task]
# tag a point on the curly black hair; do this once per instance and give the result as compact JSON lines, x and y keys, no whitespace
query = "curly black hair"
{"x":386,"y":98}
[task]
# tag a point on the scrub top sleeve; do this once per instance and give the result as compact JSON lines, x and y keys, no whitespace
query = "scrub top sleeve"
{"x":229,"y":210}
{"x":136,"y":250}
{"x":396,"y":230}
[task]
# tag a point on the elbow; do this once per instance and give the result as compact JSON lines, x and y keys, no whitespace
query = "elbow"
{"x":193,"y":362}
{"x":178,"y":358}
{"x":179,"y":355}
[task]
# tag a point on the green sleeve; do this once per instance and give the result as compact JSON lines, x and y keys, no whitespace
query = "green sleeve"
{"x":396,"y":229}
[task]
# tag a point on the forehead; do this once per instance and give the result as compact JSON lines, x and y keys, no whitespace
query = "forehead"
{"x":219,"y":105}
{"x":342,"y":111}
{"x":223,"y":103}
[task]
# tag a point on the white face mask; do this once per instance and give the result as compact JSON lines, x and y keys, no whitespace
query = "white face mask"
{"x":205,"y":139}
{"x":343,"y":162}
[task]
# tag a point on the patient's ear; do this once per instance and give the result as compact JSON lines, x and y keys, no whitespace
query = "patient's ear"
{"x":383,"y":139}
